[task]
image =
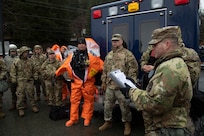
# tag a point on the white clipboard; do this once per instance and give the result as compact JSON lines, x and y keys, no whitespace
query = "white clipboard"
{"x":120,"y":79}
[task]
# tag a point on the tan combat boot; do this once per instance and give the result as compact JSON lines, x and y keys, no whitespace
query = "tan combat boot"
{"x":106,"y":125}
{"x":21,"y":113}
{"x":127,"y":130}
{"x":35,"y":109}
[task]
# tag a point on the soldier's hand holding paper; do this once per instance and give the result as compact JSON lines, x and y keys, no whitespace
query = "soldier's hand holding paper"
{"x":125,"y":83}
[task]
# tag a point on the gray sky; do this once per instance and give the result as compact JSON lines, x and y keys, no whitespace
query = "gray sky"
{"x":202,"y":6}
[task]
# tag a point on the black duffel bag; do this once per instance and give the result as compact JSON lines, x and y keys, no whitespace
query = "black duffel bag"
{"x":59,"y":112}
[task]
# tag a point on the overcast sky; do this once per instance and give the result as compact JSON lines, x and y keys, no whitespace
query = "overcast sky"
{"x":202,"y":4}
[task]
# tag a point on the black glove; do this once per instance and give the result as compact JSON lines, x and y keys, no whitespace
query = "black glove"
{"x":138,"y":84}
{"x":35,"y":82}
{"x":132,"y":80}
{"x":125,"y":90}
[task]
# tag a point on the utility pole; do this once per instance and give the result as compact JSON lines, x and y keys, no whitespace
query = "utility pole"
{"x":1,"y":29}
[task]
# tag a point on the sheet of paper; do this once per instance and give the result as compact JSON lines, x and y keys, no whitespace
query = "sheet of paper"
{"x":120,"y":79}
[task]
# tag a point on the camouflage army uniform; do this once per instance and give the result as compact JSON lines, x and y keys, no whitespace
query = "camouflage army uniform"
{"x":189,"y":55}
{"x":124,"y":60}
{"x":23,"y":74}
{"x":9,"y":59}
{"x":38,"y":60}
{"x":2,"y":76}
{"x":53,"y":89}
{"x":166,"y":101}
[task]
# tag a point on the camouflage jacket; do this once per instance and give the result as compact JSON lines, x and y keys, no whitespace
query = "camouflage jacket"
{"x":166,"y":101}
{"x":121,"y":59}
{"x":23,"y":70}
{"x":2,"y":69}
{"x":49,"y":67}
{"x":38,"y":60}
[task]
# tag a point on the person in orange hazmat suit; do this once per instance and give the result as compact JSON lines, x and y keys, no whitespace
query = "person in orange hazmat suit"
{"x":82,"y":68}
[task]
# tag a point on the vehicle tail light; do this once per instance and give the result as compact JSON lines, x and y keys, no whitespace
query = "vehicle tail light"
{"x":97,"y":14}
{"x":181,"y":2}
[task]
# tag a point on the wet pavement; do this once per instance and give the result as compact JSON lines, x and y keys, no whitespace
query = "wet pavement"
{"x":39,"y":124}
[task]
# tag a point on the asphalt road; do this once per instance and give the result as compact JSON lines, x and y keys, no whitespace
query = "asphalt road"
{"x":39,"y":124}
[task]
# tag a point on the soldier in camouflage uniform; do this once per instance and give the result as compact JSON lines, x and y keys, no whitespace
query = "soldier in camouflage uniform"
{"x":2,"y":77}
{"x":145,"y":59}
{"x":191,"y":58}
{"x":38,"y":59}
{"x":9,"y":60}
{"x":189,"y":55}
{"x":123,"y":59}
{"x":147,"y":65}
{"x":53,"y":88}
{"x":166,"y":101}
{"x":23,"y":75}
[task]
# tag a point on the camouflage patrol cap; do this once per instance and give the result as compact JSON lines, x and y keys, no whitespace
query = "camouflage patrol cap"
{"x":162,"y":33}
{"x":37,"y":46}
{"x":51,"y":52}
{"x":116,"y":37}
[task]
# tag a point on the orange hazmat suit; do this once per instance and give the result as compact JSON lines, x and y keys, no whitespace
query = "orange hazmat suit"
{"x":82,"y":88}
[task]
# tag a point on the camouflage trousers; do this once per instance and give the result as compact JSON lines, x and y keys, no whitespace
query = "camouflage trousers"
{"x":54,"y":93}
{"x":13,"y":93}
{"x":110,"y":98}
{"x":40,"y":83}
{"x":21,"y":90}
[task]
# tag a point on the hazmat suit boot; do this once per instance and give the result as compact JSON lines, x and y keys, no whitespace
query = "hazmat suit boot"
{"x":2,"y":114}
{"x":35,"y":109}
{"x":13,"y":107}
{"x":87,"y":122}
{"x":21,"y":113}
{"x":127,"y":129}
{"x":105,"y":126}
{"x":71,"y":123}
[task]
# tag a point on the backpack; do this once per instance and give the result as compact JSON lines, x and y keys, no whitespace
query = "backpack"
{"x":59,"y":112}
{"x":193,"y":62}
